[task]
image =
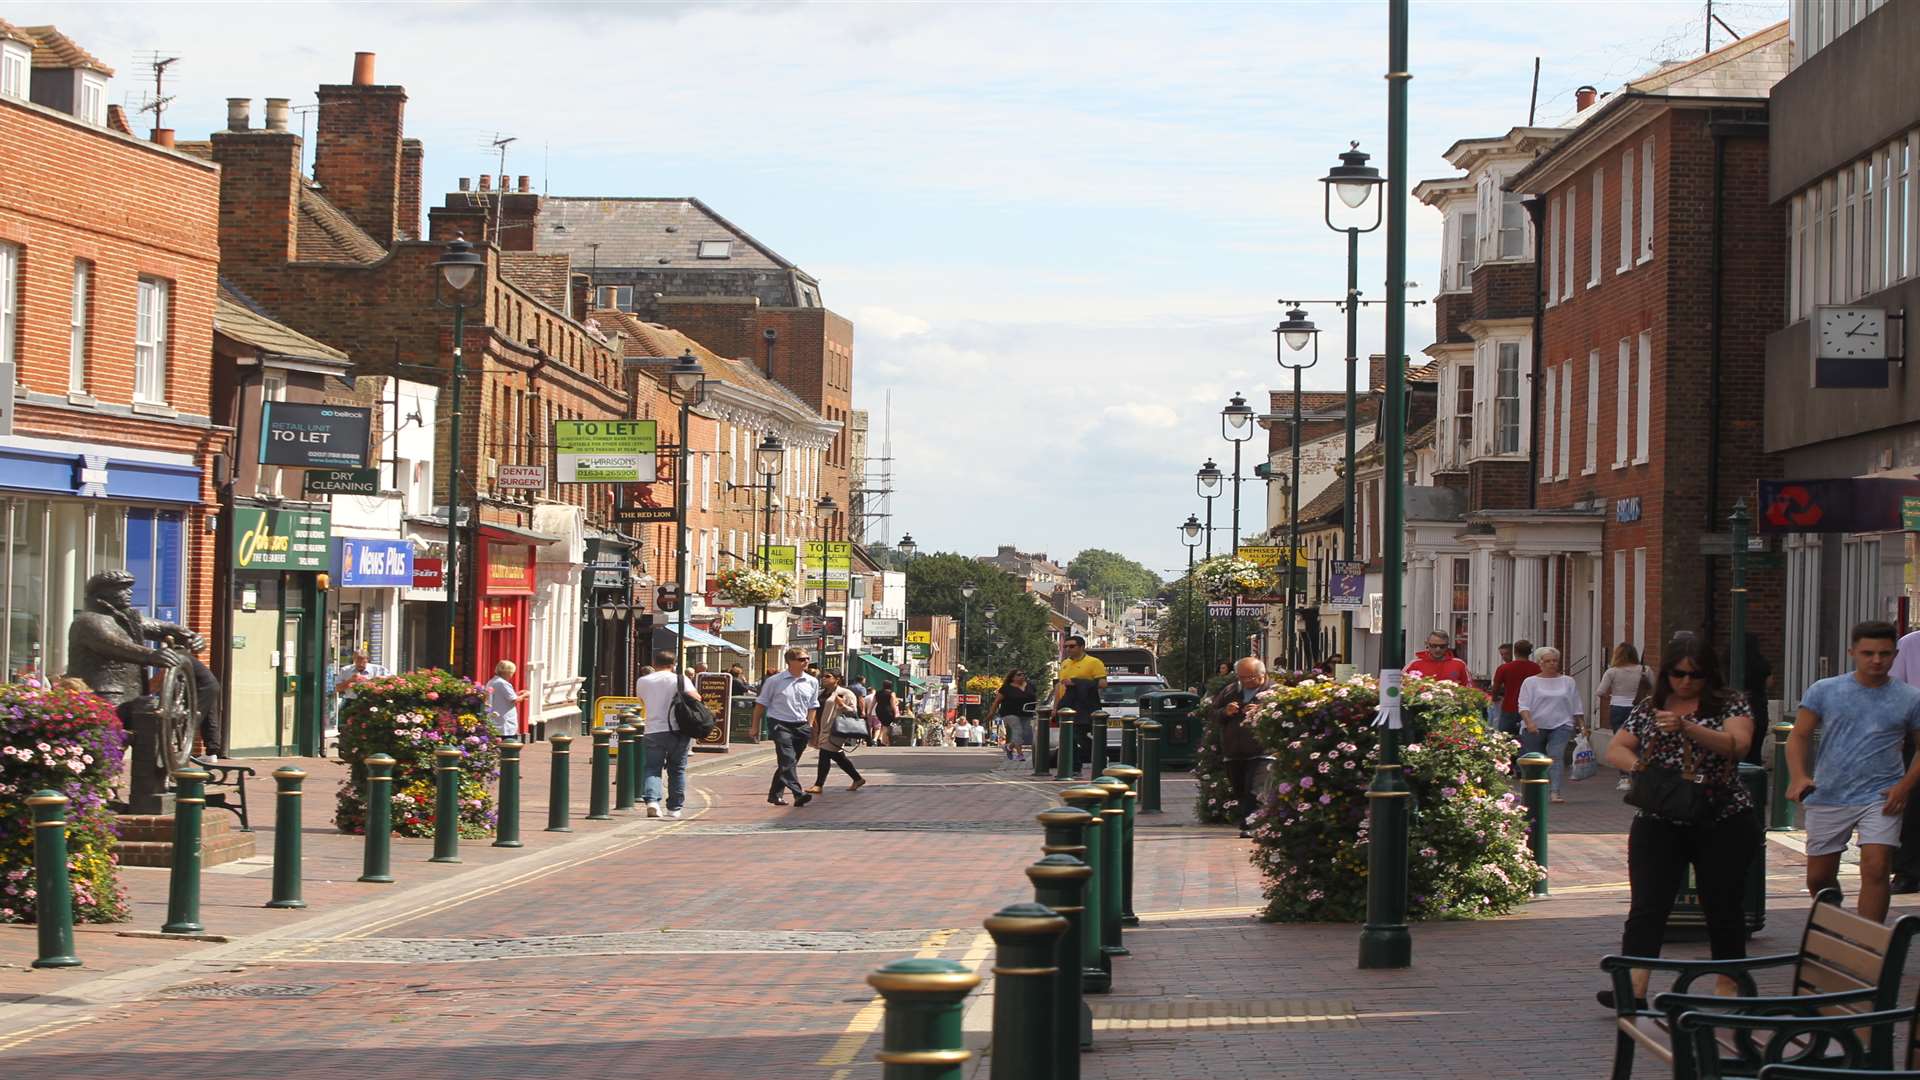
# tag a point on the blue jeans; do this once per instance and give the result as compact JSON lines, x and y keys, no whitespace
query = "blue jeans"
{"x":1553,"y":743}
{"x":666,"y":748}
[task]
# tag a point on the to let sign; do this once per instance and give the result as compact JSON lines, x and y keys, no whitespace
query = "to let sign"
{"x":605,"y":451}
{"x":314,"y":436}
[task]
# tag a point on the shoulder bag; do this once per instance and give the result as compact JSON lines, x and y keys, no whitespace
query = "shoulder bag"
{"x":1674,"y":794}
{"x":691,"y":718}
{"x":848,"y":724}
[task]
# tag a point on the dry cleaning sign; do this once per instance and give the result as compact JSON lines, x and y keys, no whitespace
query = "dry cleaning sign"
{"x":314,"y":436}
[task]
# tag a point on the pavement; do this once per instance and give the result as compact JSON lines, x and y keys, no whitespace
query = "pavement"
{"x":735,"y":942}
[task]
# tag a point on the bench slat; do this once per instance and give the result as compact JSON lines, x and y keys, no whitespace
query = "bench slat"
{"x":1842,"y":923}
{"x":1843,"y":955}
{"x":1814,"y":977}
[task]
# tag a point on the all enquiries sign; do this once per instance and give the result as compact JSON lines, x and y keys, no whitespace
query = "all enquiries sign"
{"x":605,"y":451}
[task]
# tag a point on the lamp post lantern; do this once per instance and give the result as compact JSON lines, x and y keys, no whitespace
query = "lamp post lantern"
{"x":906,"y":545}
{"x":1293,"y":335}
{"x":1236,"y":426}
{"x":1207,"y":484}
{"x":768,"y":458}
{"x":1190,"y":536}
{"x":967,"y":589}
{"x":1354,"y":180}
{"x":686,"y":385}
{"x":457,"y":267}
{"x":824,"y":511}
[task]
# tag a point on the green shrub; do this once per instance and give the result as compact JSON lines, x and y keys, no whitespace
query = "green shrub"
{"x":408,"y":717}
{"x":68,"y":741}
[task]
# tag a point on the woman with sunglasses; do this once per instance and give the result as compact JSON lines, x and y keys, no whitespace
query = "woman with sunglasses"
{"x":1690,"y":719}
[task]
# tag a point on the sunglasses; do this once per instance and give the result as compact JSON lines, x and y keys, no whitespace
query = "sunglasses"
{"x":1685,"y":673}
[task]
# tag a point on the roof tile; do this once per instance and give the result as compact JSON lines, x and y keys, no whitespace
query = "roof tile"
{"x":544,"y":276}
{"x":53,"y":49}
{"x":327,"y":235}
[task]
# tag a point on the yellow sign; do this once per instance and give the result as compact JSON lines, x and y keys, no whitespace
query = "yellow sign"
{"x":919,"y":637}
{"x":781,"y":559}
{"x":1269,"y":557}
{"x":835,"y":556}
{"x":606,"y":710}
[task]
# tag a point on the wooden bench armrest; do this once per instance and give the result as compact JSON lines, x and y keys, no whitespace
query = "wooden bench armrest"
{"x":1825,"y":1040}
{"x":1698,"y":1019}
{"x":1783,"y":1006}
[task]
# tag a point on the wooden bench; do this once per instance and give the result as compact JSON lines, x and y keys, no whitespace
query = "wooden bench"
{"x":227,"y":788}
{"x":1846,"y":981}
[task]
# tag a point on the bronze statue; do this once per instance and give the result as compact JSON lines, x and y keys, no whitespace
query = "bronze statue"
{"x":107,"y":649}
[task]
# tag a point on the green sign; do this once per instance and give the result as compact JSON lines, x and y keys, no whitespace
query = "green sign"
{"x":605,"y":451}
{"x":280,"y":539}
{"x":1910,"y":513}
{"x":919,"y":650}
{"x":341,"y":482}
{"x":834,"y":557}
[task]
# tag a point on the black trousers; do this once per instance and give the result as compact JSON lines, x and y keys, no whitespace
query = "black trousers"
{"x":1906,"y":858}
{"x":789,"y":742}
{"x":1658,"y":854}
{"x":824,"y":761}
{"x":1240,"y":775}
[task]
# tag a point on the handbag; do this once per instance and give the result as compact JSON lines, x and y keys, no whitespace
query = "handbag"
{"x":849,"y":724}
{"x":691,"y":719}
{"x":1674,"y":794}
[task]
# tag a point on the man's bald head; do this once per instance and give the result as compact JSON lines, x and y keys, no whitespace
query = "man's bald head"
{"x":1250,"y":671}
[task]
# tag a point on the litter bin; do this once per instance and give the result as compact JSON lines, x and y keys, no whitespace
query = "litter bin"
{"x":1688,"y":922}
{"x":740,"y":719}
{"x":1180,"y":725}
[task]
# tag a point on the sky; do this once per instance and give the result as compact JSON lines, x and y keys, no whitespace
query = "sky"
{"x":1060,"y":230}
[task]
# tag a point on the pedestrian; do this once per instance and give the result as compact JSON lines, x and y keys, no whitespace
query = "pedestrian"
{"x":886,"y":710}
{"x":1906,"y":861}
{"x":1223,"y":674}
{"x":347,"y":679}
{"x":858,"y":685}
{"x":1689,"y":723}
{"x":1081,"y":679}
{"x":790,"y":699}
{"x":1624,"y":684}
{"x":814,"y":670}
{"x":1856,"y":781}
{"x":1234,"y":734}
{"x":830,"y":746}
{"x":1518,"y":667}
{"x":503,"y":701}
{"x":1010,"y":704}
{"x":206,"y":694}
{"x":663,"y":745}
{"x":740,"y":683}
{"x":1438,"y":662}
{"x":1551,"y":713}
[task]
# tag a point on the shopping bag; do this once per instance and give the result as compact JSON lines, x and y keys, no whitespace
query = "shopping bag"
{"x":1585,"y":762}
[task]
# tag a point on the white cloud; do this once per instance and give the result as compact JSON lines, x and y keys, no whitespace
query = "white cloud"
{"x":873,"y":320}
{"x":1142,"y":415}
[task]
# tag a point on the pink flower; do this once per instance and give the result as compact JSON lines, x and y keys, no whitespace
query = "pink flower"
{"x":433,"y":695}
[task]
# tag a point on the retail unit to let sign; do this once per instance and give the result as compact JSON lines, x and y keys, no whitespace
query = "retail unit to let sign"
{"x":604,"y":451}
{"x":835,"y":557}
{"x":280,"y":539}
{"x":369,"y":563}
{"x":314,"y":436}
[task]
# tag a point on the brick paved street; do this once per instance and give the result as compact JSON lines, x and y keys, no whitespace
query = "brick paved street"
{"x":734,"y":943}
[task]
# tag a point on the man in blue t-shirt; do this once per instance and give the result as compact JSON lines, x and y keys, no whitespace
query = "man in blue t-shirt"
{"x":1859,"y":780}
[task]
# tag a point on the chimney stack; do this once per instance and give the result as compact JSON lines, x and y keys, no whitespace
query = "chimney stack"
{"x":276,"y":114}
{"x":363,"y":69}
{"x":238,"y":113}
{"x":1583,"y":98}
{"x":486,"y":181}
{"x":466,"y":184}
{"x":357,"y":151}
{"x":525,"y":186}
{"x":163,"y":137}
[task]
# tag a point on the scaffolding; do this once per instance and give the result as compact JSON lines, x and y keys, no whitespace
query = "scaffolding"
{"x":872,"y":494}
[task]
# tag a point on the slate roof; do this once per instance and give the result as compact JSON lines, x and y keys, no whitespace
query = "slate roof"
{"x":544,"y":277}
{"x":55,"y":50}
{"x":642,"y":338}
{"x":1331,"y":501}
{"x":646,"y":232}
{"x":238,"y":317}
{"x":325,"y":234}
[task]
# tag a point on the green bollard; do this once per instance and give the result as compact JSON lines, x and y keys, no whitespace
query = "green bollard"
{"x":602,"y":772}
{"x":1026,"y":941}
{"x":53,"y":890}
{"x":1068,"y":768}
{"x":1129,"y":740}
{"x":623,"y":774}
{"x":1060,"y":882}
{"x":183,"y":883}
{"x":1149,"y":766}
{"x":1096,"y":976}
{"x":1533,"y":779}
{"x":920,"y":1037}
{"x":1042,"y":740}
{"x":377,"y":865}
{"x":558,"y":793}
{"x":286,"y":838}
{"x":1097,"y":749}
{"x":1114,"y":835}
{"x":1129,"y":776}
{"x":1782,"y":817}
{"x":446,"y":805}
{"x":506,"y":831}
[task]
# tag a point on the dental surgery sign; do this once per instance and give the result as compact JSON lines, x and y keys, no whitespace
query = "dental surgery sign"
{"x":314,"y":436}
{"x":363,"y":563}
{"x":604,"y":451}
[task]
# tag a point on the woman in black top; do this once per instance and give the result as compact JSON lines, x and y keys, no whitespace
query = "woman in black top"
{"x":1689,"y":718}
{"x":1010,"y":705}
{"x":886,"y":709}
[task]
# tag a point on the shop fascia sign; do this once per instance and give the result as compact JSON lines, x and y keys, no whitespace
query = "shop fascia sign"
{"x":266,"y":539}
{"x":314,"y":436}
{"x":605,"y":451}
{"x":372,"y":563}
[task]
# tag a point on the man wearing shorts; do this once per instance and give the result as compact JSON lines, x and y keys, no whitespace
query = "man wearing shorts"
{"x":1858,"y":780}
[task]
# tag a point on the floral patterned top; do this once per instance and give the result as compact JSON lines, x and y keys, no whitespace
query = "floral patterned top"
{"x":1720,"y":775}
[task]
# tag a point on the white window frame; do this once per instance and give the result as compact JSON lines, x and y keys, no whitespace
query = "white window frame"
{"x":90,"y":99}
{"x":1519,"y":399}
{"x":1646,"y":200}
{"x":1593,"y":414}
{"x":1643,"y":401}
{"x":1461,"y":247}
{"x":714,"y":249}
{"x":9,"y":300}
{"x":1566,"y":419}
{"x":80,"y":297}
{"x":1549,"y":417}
{"x":16,"y":69}
{"x":1626,"y":212}
{"x":1567,"y":282}
{"x":1598,"y":211}
{"x":1622,"y":423}
{"x":150,"y":342}
{"x":1796,"y":254}
{"x":1553,"y":251}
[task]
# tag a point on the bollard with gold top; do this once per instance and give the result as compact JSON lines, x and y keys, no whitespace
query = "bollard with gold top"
{"x":1097,"y":976}
{"x":1026,"y":938}
{"x":1149,"y":766}
{"x":376,"y":866}
{"x":183,"y":884}
{"x":1129,"y":740}
{"x":53,"y":890}
{"x":920,"y":1036}
{"x":623,"y":771}
{"x":558,"y":791}
{"x":1097,"y":748}
{"x":446,"y":805}
{"x":1129,"y":776}
{"x":506,"y":829}
{"x":1533,"y":785}
{"x":1042,"y":739}
{"x":1068,"y":768}
{"x":286,"y":837}
{"x":597,"y":793}
{"x":1060,"y":882}
{"x":1114,"y":835}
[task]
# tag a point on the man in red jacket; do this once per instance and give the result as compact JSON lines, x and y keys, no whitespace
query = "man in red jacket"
{"x":1440,"y":663}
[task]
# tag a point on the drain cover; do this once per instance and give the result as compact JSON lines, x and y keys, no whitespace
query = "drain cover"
{"x":244,"y":990}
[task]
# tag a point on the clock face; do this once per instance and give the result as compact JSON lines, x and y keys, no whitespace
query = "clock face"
{"x":1851,"y":333}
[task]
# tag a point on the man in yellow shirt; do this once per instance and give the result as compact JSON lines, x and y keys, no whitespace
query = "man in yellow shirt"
{"x":1081,"y":679}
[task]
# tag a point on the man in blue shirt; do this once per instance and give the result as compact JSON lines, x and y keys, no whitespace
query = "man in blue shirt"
{"x":790,"y":699}
{"x":1859,"y":780}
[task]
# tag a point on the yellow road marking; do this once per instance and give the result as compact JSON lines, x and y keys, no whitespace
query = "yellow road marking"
{"x":867,"y":1021}
{"x":52,"y":1027}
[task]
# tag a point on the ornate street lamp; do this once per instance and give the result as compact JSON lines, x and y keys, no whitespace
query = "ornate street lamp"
{"x":1190,"y":536}
{"x":1236,"y":426}
{"x":687,"y":386}
{"x":458,"y":266}
{"x":1293,"y":335}
{"x":906,"y":546}
{"x":1355,"y":182}
{"x":768,"y":459}
{"x":1207,"y":484}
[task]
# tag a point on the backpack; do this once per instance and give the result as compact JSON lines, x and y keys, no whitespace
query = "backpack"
{"x":690,"y":718}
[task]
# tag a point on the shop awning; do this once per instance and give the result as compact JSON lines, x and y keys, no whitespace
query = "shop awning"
{"x":880,"y":669}
{"x":697,"y":636}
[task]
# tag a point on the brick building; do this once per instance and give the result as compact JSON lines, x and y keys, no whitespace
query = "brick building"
{"x":1663,"y":274}
{"x":108,"y":277}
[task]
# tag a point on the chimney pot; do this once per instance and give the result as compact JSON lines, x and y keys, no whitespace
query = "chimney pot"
{"x":466,"y":184}
{"x":276,"y":114}
{"x":506,"y":182}
{"x":486,"y":181}
{"x":163,"y":137}
{"x":238,"y":111}
{"x":526,"y":184}
{"x":1583,"y":98}
{"x":363,"y":69}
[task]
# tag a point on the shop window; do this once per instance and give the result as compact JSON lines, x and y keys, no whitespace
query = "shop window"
{"x":1460,"y":604}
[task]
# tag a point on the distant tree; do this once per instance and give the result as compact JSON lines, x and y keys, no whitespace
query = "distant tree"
{"x":1113,"y":577}
{"x":1016,"y":636}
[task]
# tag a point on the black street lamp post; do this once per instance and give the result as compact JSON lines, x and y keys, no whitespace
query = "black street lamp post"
{"x":907,"y":548}
{"x":1236,"y":426}
{"x":457,"y":269}
{"x":967,"y":589}
{"x":1207,"y":483}
{"x":1190,"y":536}
{"x":1355,"y":182}
{"x":687,"y":386}
{"x":1293,"y":335}
{"x":824,"y":510}
{"x":768,"y":458}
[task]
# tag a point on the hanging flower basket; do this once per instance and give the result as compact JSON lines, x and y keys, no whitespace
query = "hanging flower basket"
{"x":747,"y":586}
{"x":984,"y":684}
{"x":1224,"y":577}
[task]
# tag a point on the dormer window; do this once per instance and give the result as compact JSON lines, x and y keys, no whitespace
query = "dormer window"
{"x":716,"y":249}
{"x":91,"y":102}
{"x":16,"y":62}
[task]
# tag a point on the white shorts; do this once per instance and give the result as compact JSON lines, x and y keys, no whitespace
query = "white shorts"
{"x":1829,"y":827}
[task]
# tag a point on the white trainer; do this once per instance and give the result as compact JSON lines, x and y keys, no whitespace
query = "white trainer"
{"x":653,"y":809}
{"x":673,"y":813}
{"x":1624,"y":785}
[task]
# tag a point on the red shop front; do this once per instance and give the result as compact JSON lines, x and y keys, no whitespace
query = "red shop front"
{"x":506,"y":592}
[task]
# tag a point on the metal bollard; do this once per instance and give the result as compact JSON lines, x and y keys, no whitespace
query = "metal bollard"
{"x":1149,"y":766}
{"x":1534,"y":782}
{"x":623,"y":774}
{"x":558,"y":791}
{"x":920,"y":1037}
{"x":1096,"y":977}
{"x":53,"y":890}
{"x":1097,"y":749}
{"x":1060,"y":882}
{"x":1114,"y":830}
{"x":1068,"y":768}
{"x":602,"y":773}
{"x":1042,"y":740}
{"x":1129,"y":740}
{"x":1129,"y":776}
{"x":506,"y":830}
{"x":183,"y":883}
{"x":446,"y":805}
{"x":286,"y":838}
{"x":376,"y":866}
{"x":1782,"y":817}
{"x":1026,"y":939}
